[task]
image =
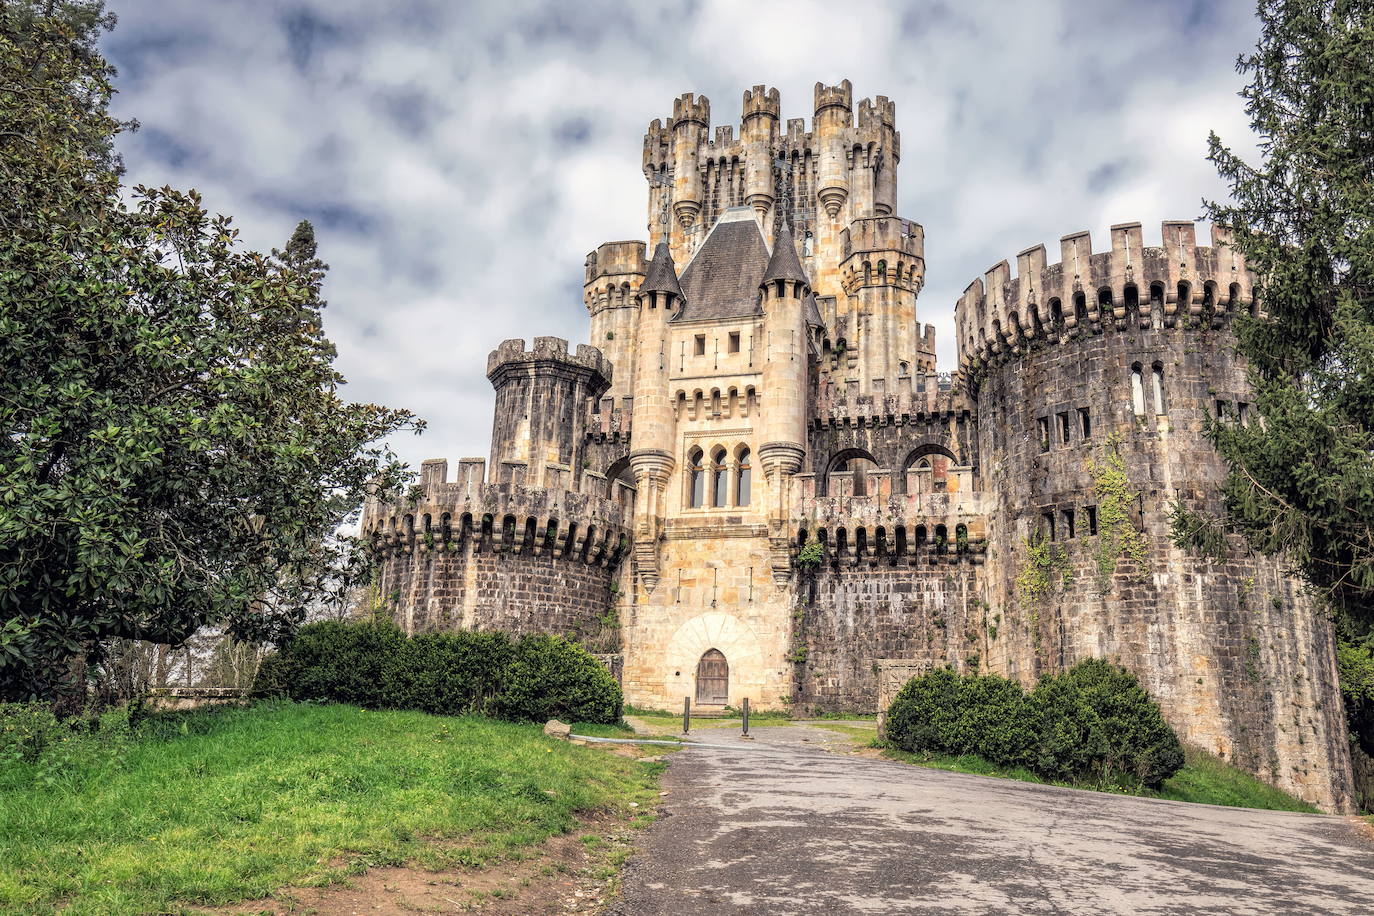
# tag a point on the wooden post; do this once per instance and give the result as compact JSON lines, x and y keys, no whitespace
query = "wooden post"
{"x":686,"y":714}
{"x":745,"y":721}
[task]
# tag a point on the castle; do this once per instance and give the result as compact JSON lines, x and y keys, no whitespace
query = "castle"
{"x":756,"y":484}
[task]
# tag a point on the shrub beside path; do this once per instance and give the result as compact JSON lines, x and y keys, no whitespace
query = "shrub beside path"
{"x":780,"y":826}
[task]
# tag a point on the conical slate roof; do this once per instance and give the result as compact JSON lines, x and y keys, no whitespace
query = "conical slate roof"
{"x":784,"y":264}
{"x":662,"y":275}
{"x":812,"y":310}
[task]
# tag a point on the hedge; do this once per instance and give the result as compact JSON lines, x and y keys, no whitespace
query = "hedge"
{"x":1093,"y":724}
{"x":375,"y":665}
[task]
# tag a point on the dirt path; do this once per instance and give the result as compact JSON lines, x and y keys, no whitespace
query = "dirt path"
{"x":780,"y":826}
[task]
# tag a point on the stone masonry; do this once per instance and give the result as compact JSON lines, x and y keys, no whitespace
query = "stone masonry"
{"x":758,"y":382}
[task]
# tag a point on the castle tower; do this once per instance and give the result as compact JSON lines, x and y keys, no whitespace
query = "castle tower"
{"x":882,"y":275}
{"x":540,"y":428}
{"x":783,"y":434}
{"x":610,"y":291}
{"x":660,"y":297}
{"x":759,"y":132}
{"x":691,"y":122}
{"x":833,"y":121}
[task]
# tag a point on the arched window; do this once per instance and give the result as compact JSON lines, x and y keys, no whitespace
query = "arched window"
{"x":720,"y":479}
{"x":1157,"y":372}
{"x":1137,"y":391}
{"x":745,"y":478}
{"x":696,"y":480}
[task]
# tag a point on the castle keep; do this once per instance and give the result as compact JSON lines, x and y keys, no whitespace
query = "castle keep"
{"x":755,"y":483}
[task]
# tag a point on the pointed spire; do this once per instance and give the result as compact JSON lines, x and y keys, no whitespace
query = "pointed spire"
{"x":784,"y":264}
{"x":662,"y":275}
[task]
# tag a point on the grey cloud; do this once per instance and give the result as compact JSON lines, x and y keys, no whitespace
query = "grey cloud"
{"x":460,"y":159}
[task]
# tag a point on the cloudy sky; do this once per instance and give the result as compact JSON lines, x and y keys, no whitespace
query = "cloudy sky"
{"x":459,"y":159}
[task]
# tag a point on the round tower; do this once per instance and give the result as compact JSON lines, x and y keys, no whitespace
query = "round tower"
{"x":540,"y":426}
{"x":610,"y":289}
{"x":883,"y":271}
{"x":660,"y":298}
{"x":759,"y":132}
{"x":691,"y":122}
{"x":785,"y":289}
{"x":834,"y":108}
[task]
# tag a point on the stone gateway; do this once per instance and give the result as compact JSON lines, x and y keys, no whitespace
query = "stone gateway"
{"x":755,"y":483}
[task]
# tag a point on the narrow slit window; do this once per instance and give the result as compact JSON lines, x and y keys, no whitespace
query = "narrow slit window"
{"x":1092,"y":519}
{"x":745,"y":479}
{"x":696,"y":480}
{"x":1068,"y":520}
{"x":1243,"y":413}
{"x":1157,"y":374}
{"x":1137,"y":390}
{"x":1085,"y":423}
{"x":1063,"y":428}
{"x":1048,"y":519}
{"x":1044,"y":424}
{"x":734,"y":342}
{"x":720,"y":480}
{"x":700,"y":345}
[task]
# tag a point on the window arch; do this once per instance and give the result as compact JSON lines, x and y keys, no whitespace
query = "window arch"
{"x":696,"y":480}
{"x":720,"y":479}
{"x":1137,"y":390}
{"x":853,"y":462}
{"x":1157,"y":377}
{"x":744,"y":484}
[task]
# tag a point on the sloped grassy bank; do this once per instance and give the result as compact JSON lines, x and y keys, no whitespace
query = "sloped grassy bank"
{"x":231,"y":804}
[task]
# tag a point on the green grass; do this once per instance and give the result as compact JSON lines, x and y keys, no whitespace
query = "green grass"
{"x":236,"y":803}
{"x":1210,"y":780}
{"x":1204,"y":779}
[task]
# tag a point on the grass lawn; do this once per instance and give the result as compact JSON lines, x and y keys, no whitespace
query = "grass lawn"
{"x":1204,"y":779}
{"x":234,"y":803}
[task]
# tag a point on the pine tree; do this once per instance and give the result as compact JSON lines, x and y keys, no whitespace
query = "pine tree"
{"x":1301,"y":482}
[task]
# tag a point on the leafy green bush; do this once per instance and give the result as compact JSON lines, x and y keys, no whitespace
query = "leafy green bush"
{"x":1093,"y":723}
{"x":551,"y":678}
{"x":1100,"y":725}
{"x":28,"y":729}
{"x":447,"y":673}
{"x":945,"y":713}
{"x":337,"y":661}
{"x":376,"y":665}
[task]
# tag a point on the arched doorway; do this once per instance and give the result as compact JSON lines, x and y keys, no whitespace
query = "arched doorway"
{"x":713,"y":679}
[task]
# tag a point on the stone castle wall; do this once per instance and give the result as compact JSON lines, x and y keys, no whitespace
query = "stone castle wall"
{"x":1240,"y":661}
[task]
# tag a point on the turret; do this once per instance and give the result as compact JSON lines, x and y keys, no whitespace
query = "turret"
{"x":785,"y":289}
{"x":878,"y":132}
{"x":610,"y":289}
{"x":540,"y":426}
{"x":832,"y":124}
{"x":691,"y":121}
{"x":660,"y":298}
{"x":883,"y":271}
{"x":759,"y":132}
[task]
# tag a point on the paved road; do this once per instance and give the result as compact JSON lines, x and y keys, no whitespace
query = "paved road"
{"x":783,"y":827}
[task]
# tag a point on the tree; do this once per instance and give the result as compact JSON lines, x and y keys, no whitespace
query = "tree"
{"x":175,"y":450}
{"x":1302,"y":481}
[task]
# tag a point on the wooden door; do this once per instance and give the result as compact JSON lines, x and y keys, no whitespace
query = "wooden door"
{"x":713,"y":679}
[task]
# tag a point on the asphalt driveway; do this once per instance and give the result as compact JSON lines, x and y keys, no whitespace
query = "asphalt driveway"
{"x":782,"y":826}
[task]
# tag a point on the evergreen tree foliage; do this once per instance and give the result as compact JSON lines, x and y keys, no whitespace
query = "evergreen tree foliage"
{"x":1302,"y":481}
{"x":174,"y":450}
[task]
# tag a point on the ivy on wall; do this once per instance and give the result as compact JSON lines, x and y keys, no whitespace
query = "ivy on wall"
{"x":1046,"y":567}
{"x":1117,"y":535}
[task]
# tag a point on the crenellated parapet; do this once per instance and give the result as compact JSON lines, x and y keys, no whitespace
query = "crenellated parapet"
{"x":612,"y":276}
{"x":1176,"y":283}
{"x":883,"y":251}
{"x":916,"y":398}
{"x":548,"y":353}
{"x":925,"y":528}
{"x":468,"y":513}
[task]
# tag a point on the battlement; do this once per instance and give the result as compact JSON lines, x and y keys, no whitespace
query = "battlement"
{"x":882,"y":251}
{"x":841,"y":96}
{"x":616,"y":259}
{"x":691,"y":108}
{"x":915,"y":399}
{"x":920,"y":528}
{"x":587,"y":526}
{"x":547,"y":352}
{"x":758,"y":103}
{"x":658,"y":147}
{"x":1128,"y":285}
{"x":884,"y":233}
{"x":875,"y":114}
